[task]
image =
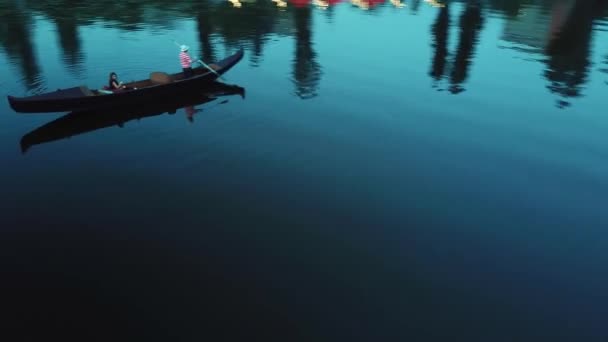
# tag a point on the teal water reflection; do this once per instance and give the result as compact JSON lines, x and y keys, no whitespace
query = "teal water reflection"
{"x":557,"y":33}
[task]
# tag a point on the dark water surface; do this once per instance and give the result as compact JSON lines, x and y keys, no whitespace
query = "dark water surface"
{"x":396,"y":171}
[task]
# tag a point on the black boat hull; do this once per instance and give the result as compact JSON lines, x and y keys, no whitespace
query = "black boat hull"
{"x":73,"y":99}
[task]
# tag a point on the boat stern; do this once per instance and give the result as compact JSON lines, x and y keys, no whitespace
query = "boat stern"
{"x":11,"y":101}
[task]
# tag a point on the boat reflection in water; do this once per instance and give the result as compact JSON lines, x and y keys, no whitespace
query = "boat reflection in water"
{"x":75,"y":123}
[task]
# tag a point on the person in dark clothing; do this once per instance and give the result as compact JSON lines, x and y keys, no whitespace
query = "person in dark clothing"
{"x":114,"y":83}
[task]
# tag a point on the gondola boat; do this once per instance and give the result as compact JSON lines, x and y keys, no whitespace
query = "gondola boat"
{"x":158,"y":85}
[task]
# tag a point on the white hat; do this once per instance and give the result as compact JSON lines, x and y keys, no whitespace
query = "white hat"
{"x":184,"y":48}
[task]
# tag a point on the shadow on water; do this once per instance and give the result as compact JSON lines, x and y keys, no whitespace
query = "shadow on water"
{"x":122,"y":287}
{"x":215,"y":279}
{"x":76,"y":123}
{"x":250,"y":266}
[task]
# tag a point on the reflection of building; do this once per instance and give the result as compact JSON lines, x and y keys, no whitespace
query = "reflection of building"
{"x":562,"y":30}
{"x":366,"y":4}
{"x":239,"y":3}
{"x":529,"y":30}
{"x":280,"y":3}
{"x":568,"y":52}
{"x":328,"y":6}
{"x":433,"y":3}
{"x":535,"y":27}
{"x":300,"y":3}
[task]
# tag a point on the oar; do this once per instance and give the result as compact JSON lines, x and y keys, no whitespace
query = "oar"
{"x":190,"y":116}
{"x":217,"y":104}
{"x":203,"y":63}
{"x":213,"y":71}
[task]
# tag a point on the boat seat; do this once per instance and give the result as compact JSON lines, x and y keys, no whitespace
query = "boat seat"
{"x":158,"y":77}
{"x":86,"y":91}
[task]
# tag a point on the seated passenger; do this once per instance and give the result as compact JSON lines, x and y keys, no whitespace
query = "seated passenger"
{"x":114,"y":84}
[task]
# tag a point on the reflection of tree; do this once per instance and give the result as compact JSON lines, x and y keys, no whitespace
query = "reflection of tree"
{"x":69,"y":40}
{"x":440,"y":36}
{"x":16,"y":39}
{"x":568,"y":53}
{"x":258,"y":39}
{"x":602,"y":16}
{"x":249,"y":25}
{"x":471,"y":23}
{"x":205,"y":30}
{"x":307,"y":72}
{"x":67,"y":16}
{"x":127,"y":15}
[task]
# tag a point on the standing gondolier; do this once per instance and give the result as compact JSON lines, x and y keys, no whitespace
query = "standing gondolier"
{"x":186,"y":61}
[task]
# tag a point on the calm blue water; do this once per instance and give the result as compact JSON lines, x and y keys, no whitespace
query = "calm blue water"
{"x":415,"y":170}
